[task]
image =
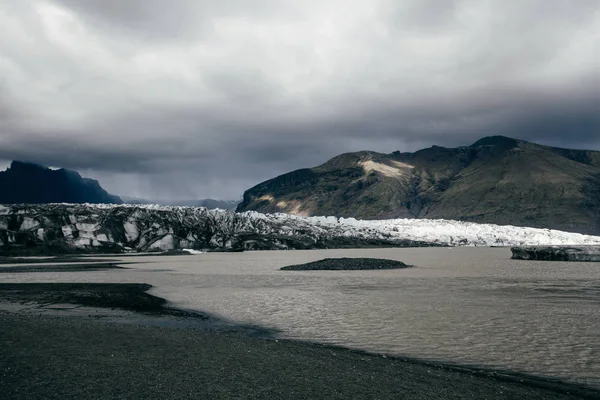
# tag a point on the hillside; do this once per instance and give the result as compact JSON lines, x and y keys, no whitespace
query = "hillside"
{"x":496,"y":180}
{"x":34,"y":184}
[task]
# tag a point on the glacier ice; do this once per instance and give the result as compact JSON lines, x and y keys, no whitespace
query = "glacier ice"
{"x":154,"y":227}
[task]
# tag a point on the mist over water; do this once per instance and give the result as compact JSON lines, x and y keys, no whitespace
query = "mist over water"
{"x":463,"y":305}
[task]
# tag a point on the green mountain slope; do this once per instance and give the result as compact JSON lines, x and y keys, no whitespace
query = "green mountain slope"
{"x":495,"y":180}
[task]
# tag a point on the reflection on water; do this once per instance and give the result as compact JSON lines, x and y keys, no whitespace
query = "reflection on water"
{"x":466,"y":305}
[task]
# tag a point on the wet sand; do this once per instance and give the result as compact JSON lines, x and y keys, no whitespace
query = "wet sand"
{"x":58,"y":357}
{"x":11,"y":265}
{"x":123,"y":296}
{"x":53,"y":260}
{"x":58,"y":268}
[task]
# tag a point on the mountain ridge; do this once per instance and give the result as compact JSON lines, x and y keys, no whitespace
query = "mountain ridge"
{"x":497,"y":179}
{"x":30,"y":183}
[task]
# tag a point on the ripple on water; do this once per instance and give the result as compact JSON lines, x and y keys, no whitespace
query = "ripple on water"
{"x":465,"y":305}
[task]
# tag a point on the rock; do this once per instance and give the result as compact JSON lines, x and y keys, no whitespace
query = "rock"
{"x":347,"y":264}
{"x":557,"y":253}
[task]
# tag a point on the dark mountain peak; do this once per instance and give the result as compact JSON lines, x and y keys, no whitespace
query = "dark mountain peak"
{"x":17,"y":165}
{"x":497,"y":140}
{"x":27,"y":182}
{"x":355,"y":156}
{"x":69,"y":173}
{"x":26,"y":167}
{"x":349,"y":160}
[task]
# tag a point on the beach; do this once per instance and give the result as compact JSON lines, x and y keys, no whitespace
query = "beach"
{"x":85,"y":355}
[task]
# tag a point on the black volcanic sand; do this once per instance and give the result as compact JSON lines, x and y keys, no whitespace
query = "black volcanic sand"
{"x":49,"y":357}
{"x":347,"y":264}
{"x":59,"y":268}
{"x":123,"y":296}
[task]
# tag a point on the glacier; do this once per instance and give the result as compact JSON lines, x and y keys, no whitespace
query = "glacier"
{"x":117,"y":228}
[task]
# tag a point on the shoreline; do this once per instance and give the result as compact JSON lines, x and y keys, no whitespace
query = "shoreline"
{"x":429,"y":379}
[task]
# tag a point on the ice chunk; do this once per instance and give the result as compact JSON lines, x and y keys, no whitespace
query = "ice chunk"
{"x":165,"y":243}
{"x":193,"y":252}
{"x":131,"y":231}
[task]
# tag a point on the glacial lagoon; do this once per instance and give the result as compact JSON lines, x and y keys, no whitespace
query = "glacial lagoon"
{"x":465,"y":305}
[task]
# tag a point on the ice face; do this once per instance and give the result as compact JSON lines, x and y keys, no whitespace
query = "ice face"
{"x":155,"y":227}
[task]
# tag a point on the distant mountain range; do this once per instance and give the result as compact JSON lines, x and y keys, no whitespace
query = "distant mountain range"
{"x":211,"y":204}
{"x":495,"y":180}
{"x":30,"y":183}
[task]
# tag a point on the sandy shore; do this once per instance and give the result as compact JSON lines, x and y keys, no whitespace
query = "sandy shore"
{"x":68,"y":357}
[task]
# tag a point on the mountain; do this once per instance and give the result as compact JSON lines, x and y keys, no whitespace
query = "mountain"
{"x":496,"y":180}
{"x":211,"y":204}
{"x":71,"y":228}
{"x":34,"y":184}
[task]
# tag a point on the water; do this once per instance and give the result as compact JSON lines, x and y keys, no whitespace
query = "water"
{"x":463,"y":305}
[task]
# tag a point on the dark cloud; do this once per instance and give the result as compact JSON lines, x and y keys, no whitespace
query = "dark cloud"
{"x":200,"y":98}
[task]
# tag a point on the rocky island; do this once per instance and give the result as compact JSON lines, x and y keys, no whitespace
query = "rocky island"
{"x":347,"y":264}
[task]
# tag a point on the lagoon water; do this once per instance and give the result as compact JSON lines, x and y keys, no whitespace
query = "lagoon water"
{"x":465,"y":305}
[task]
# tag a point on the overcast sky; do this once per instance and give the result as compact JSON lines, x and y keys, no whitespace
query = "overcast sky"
{"x":198,"y":98}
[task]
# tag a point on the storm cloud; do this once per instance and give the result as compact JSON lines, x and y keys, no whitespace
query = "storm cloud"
{"x":194,"y":98}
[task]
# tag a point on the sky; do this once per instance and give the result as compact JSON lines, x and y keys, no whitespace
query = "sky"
{"x":185,"y":99}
